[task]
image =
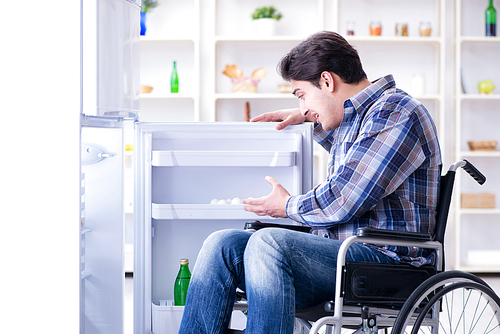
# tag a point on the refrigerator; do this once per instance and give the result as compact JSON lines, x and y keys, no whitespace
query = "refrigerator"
{"x":187,"y":179}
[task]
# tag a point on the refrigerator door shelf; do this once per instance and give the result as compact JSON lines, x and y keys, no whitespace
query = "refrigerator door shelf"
{"x":202,"y":211}
{"x":224,"y":158}
{"x":166,"y":319}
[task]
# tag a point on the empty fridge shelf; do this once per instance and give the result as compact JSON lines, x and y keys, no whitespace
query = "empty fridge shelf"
{"x":200,"y":211}
{"x":224,"y":158}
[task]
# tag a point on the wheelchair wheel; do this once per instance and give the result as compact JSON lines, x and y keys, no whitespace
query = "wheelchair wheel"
{"x":450,"y":302}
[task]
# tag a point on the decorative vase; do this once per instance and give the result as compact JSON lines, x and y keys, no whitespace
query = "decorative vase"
{"x":143,"y":23}
{"x":265,"y":27}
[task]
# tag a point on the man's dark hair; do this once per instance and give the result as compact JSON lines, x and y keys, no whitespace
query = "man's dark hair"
{"x":323,"y":51}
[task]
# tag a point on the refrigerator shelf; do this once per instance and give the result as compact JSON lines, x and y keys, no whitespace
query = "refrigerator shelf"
{"x":201,"y":211}
{"x":224,"y":158}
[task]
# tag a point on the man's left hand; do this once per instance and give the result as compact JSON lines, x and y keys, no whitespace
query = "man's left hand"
{"x":273,"y":205}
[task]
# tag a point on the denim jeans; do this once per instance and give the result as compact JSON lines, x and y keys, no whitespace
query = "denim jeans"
{"x":279,"y":270}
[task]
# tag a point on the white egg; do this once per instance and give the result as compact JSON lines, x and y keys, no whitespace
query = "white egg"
{"x":214,"y":201}
{"x":228,"y":201}
{"x":222,"y":201}
{"x":236,"y":200}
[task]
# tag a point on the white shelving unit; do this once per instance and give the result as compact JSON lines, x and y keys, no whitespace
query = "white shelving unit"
{"x":173,"y":34}
{"x":205,"y":36}
{"x":398,"y":55}
{"x":234,"y":41}
{"x":477,"y":118}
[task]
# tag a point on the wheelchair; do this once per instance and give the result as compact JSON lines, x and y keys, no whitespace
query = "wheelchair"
{"x":402,"y":298}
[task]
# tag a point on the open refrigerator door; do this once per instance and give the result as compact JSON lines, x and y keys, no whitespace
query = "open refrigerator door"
{"x":109,"y":71}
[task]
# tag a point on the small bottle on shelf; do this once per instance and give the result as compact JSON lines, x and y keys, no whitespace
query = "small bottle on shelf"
{"x":350,"y":28}
{"x":246,"y":114}
{"x":174,"y":80}
{"x":182,"y":283}
{"x":491,"y":20}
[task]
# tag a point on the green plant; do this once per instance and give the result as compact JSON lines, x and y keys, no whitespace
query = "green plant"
{"x":266,"y":13}
{"x":148,"y":5}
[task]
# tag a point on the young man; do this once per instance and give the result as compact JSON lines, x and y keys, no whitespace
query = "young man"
{"x":384,"y":172}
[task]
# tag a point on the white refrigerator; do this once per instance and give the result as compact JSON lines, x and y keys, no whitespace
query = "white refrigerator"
{"x":179,"y":170}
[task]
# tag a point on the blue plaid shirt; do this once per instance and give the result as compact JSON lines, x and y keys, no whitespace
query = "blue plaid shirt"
{"x":384,"y":171}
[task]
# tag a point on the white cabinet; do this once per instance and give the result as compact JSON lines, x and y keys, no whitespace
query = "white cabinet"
{"x":235,"y":41}
{"x":225,"y":34}
{"x":418,"y":63}
{"x":477,"y":118}
{"x":172,"y":34}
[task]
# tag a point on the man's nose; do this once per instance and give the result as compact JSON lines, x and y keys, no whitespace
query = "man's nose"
{"x":303,"y":109}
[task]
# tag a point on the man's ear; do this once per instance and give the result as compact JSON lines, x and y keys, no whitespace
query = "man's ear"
{"x":327,"y":81}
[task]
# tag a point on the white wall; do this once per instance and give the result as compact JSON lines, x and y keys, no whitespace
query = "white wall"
{"x":39,"y":169}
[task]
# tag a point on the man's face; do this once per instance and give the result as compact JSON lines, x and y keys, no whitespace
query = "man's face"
{"x":319,"y":103}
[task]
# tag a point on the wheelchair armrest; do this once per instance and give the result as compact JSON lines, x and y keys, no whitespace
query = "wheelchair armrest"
{"x":257,"y":225}
{"x":371,"y":232}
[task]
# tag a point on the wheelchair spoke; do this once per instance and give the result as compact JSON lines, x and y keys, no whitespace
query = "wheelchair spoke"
{"x":461,"y":308}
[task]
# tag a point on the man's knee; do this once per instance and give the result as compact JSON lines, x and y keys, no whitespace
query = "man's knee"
{"x":267,"y":239}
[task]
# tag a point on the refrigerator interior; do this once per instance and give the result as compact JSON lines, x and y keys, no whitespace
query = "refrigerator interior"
{"x":180,"y":169}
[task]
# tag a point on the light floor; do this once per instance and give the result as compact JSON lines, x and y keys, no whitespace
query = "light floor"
{"x":492,"y":280}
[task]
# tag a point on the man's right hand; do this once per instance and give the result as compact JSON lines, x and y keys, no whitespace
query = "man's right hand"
{"x":286,"y":117}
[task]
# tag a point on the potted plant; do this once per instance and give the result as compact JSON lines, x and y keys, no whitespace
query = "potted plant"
{"x":146,"y":6}
{"x":265,"y":19}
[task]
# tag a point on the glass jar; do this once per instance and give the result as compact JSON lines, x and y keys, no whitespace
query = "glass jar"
{"x":425,"y":29}
{"x":401,"y":29}
{"x":375,"y":28}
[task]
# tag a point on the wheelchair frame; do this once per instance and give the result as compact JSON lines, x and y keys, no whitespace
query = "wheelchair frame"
{"x":368,"y":319}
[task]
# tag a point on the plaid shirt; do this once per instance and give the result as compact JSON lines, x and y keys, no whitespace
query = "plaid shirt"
{"x":384,"y":171}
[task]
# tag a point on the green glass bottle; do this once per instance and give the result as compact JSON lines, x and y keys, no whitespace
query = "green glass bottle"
{"x":182,"y":283}
{"x":491,"y":20}
{"x":174,"y":80}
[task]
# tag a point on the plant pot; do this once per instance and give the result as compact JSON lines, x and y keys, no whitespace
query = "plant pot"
{"x":265,"y":27}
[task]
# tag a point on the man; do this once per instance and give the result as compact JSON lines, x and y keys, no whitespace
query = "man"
{"x":384,"y":172}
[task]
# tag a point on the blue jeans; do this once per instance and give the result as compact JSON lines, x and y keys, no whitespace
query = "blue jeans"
{"x":278,"y":269}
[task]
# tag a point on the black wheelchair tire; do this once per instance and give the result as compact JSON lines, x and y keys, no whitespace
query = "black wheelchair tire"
{"x":431,"y":291}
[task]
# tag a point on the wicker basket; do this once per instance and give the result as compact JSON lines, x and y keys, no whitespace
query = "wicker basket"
{"x":245,"y":86}
{"x":475,"y":201}
{"x":146,"y":89}
{"x":486,"y":145}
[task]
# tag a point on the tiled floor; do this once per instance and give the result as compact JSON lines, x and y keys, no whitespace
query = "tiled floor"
{"x":492,"y":280}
